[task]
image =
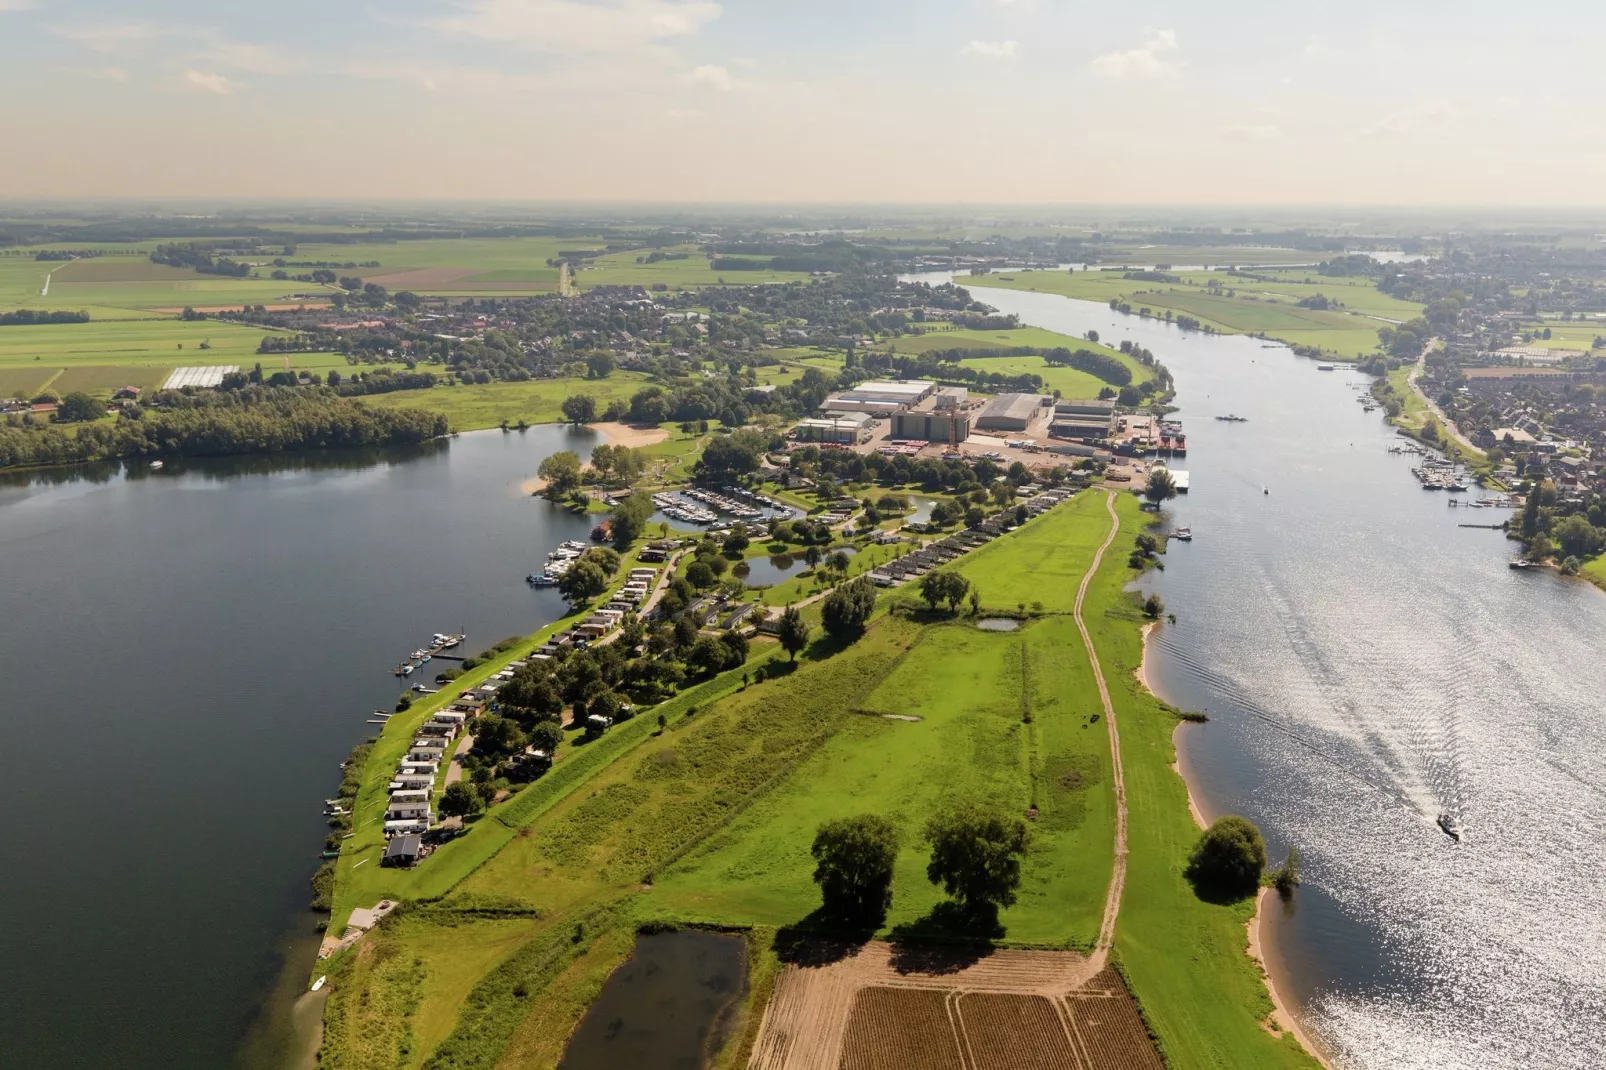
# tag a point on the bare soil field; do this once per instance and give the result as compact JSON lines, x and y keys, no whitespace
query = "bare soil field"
{"x":1109,"y":1027}
{"x":1008,"y":1032}
{"x":1032,"y":1010}
{"x":901,"y":1029}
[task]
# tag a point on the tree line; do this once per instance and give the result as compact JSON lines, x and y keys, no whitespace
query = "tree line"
{"x":30,"y":317}
{"x":256,"y":419}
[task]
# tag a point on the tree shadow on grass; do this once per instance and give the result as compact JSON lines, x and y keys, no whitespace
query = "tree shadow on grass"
{"x":948,"y":939}
{"x":823,"y":937}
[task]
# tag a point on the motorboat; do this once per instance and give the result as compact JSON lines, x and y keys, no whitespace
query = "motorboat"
{"x":1450,"y":827}
{"x":1521,"y":562}
{"x":1184,"y":534}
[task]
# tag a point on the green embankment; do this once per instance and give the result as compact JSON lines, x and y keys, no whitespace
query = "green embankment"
{"x":512,"y":929}
{"x":1254,"y":307}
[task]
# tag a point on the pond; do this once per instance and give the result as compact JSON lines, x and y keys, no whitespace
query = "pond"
{"x":768,"y":571}
{"x":998,"y":624}
{"x":663,"y":1009}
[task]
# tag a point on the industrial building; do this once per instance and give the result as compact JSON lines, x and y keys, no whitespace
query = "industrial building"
{"x":847,"y":428}
{"x":1084,"y":420}
{"x":881,"y":397}
{"x":1009,"y":412}
{"x":937,"y":426}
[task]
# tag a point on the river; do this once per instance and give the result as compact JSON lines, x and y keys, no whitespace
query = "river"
{"x":192,"y":653}
{"x":1368,"y":664}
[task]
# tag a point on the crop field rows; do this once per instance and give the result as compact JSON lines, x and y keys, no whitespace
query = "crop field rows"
{"x":1010,"y":1010}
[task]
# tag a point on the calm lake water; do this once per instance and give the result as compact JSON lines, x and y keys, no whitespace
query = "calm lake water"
{"x":663,"y":1008}
{"x":1367,"y":664}
{"x":193,"y":652}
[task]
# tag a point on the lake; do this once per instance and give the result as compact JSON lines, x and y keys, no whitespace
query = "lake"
{"x":1367,"y":664}
{"x":193,"y":652}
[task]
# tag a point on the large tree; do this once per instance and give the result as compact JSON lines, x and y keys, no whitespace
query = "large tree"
{"x":940,"y":586}
{"x":584,"y":581}
{"x":793,"y":632}
{"x":847,"y":609}
{"x":1161,"y":487}
{"x":630,"y":519}
{"x":561,"y":472}
{"x":580,"y":408}
{"x":1227,"y":861}
{"x":975,"y":856}
{"x":853,"y":863}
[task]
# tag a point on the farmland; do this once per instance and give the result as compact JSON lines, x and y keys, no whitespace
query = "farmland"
{"x":622,"y":269}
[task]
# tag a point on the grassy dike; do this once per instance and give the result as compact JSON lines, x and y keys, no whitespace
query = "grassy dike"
{"x":1186,"y":960}
{"x":509,"y":932}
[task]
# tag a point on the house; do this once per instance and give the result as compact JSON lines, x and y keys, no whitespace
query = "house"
{"x":412,"y":781}
{"x":403,"y":850}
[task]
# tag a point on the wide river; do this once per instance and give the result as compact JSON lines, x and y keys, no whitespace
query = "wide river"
{"x":1368,"y":664}
{"x":193,"y":652}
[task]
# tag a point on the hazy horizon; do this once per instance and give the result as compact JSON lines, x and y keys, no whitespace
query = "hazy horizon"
{"x":956,"y":103}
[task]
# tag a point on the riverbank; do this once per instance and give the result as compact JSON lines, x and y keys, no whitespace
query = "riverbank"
{"x":1260,"y":949}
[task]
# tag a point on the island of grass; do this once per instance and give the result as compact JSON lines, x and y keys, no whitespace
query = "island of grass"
{"x":1265,"y":303}
{"x":509,"y":931}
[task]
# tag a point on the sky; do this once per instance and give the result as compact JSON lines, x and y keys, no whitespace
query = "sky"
{"x":1235,"y":102}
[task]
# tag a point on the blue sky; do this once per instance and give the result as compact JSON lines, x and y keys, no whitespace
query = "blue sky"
{"x":986,"y":101}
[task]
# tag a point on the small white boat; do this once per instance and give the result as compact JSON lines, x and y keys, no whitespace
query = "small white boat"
{"x":319,"y":982}
{"x":156,"y":466}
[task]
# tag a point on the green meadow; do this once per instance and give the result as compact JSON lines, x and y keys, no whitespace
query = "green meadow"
{"x":1255,"y":307}
{"x":621,"y":269}
{"x":535,"y":401}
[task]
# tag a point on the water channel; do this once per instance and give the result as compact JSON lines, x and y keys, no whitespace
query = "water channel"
{"x":192,"y":653}
{"x":1368,"y":664}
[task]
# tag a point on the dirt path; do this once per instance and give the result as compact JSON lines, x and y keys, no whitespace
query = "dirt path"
{"x":1112,"y":900}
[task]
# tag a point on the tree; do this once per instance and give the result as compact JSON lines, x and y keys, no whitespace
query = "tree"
{"x":812,"y":555}
{"x":847,"y":609}
{"x":580,"y":408}
{"x":497,"y":737}
{"x":561,"y":472}
{"x":706,"y":657}
{"x":79,"y":406}
{"x":584,"y":581}
{"x":630,"y":519}
{"x":853,"y":864}
{"x":700,"y":575}
{"x":1161,"y":487}
{"x":605,"y":704}
{"x":546,"y":736}
{"x":975,"y":856}
{"x":1227,"y":861}
{"x":1576,"y":536}
{"x":939,"y":587}
{"x":459,"y":800}
{"x":600,"y":365}
{"x":1153,"y":607}
{"x":793,"y":632}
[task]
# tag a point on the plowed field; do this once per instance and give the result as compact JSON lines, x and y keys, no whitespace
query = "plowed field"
{"x":901,"y":1029}
{"x":1108,"y":1024}
{"x":1015,"y":1033}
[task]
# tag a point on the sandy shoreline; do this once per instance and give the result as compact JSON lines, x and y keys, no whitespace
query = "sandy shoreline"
{"x":1257,"y":949}
{"x":619,"y":434}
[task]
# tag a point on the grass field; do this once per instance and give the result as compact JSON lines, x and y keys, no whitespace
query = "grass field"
{"x":1068,"y":381}
{"x":710,"y":821}
{"x":621,"y":269}
{"x":970,"y":691}
{"x":535,"y":401}
{"x":1256,"y":308}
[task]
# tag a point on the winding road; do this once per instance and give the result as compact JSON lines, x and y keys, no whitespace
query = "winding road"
{"x":1112,"y":899}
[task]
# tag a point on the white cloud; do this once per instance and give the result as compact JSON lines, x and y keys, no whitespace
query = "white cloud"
{"x":572,"y":26}
{"x":990,"y":49}
{"x":17,"y":5}
{"x":254,"y":59}
{"x":110,"y":36}
{"x":714,"y":76}
{"x":1253,"y":132}
{"x":1148,"y":61}
{"x":210,"y":83}
{"x":1428,"y":113}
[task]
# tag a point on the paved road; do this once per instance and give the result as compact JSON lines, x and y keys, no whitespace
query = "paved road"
{"x":1446,"y":424}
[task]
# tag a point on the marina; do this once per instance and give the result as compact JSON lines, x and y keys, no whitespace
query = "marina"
{"x":440,"y":641}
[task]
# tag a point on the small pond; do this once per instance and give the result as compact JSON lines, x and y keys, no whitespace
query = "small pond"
{"x":768,"y":571}
{"x":663,"y":1009}
{"x":998,"y":624}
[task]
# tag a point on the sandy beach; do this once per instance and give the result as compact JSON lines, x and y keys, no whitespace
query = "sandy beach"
{"x":631,"y":435}
{"x":1281,"y":1015}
